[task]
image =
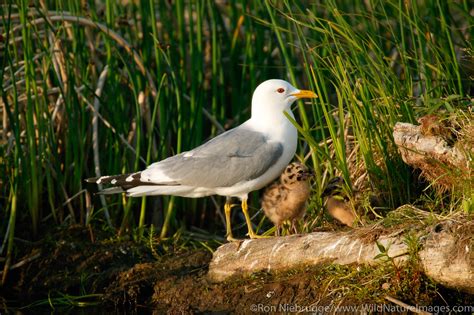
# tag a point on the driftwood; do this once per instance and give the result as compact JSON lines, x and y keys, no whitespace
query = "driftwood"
{"x":442,"y":256}
{"x":431,"y":148}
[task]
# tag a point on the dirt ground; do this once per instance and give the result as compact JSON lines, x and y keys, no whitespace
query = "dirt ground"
{"x":130,"y":276}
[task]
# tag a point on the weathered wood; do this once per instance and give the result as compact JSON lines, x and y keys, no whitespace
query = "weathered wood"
{"x":416,"y":145}
{"x":437,"y":256}
{"x":427,"y":148}
{"x":449,"y":261}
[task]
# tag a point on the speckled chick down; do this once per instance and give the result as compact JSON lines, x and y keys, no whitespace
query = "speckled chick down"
{"x":286,"y":199}
{"x":338,"y":207}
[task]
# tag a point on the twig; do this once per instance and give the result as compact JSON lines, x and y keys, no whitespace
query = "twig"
{"x":109,"y":125}
{"x":208,"y":116}
{"x":218,"y":210}
{"x":5,"y":238}
{"x":4,"y":120}
{"x":59,"y":62}
{"x":95,"y":137}
{"x":71,"y":210}
{"x":213,"y":120}
{"x":407,"y":306}
{"x":73,"y":197}
{"x":23,"y":262}
{"x":146,"y":114}
{"x":88,"y":207}
{"x":16,"y":74}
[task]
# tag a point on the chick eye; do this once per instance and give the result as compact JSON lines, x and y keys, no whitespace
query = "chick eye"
{"x":281,"y":90}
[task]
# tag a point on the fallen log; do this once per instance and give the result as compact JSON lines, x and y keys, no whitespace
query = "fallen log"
{"x":442,"y":256}
{"x":432,"y":149}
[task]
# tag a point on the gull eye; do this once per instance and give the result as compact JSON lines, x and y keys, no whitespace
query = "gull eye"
{"x":281,"y":90}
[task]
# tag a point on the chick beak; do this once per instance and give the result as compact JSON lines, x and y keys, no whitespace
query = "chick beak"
{"x":308,"y":174}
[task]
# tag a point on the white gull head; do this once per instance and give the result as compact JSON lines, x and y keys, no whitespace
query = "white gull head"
{"x":273,"y":97}
{"x":270,"y":99}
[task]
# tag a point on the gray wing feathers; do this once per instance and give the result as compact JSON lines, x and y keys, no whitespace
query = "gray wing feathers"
{"x":232,"y":157}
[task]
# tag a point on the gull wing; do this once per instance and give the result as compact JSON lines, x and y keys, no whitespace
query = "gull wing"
{"x":235,"y":156}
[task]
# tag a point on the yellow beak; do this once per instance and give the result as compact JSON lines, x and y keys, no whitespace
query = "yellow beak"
{"x":304,"y":94}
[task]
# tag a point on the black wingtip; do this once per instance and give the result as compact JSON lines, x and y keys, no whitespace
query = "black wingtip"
{"x":91,"y":180}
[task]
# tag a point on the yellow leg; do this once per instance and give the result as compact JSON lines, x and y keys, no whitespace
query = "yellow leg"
{"x":251,"y":233}
{"x":227,"y":209}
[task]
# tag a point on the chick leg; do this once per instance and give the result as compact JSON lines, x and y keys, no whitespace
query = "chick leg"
{"x":277,"y":229}
{"x":292,"y":227}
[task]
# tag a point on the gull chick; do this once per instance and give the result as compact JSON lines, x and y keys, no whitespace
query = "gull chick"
{"x":233,"y":164}
{"x":338,"y":207}
{"x":286,"y":199}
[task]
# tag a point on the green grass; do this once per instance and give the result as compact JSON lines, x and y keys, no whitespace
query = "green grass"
{"x":65,"y":301}
{"x":372,"y":63}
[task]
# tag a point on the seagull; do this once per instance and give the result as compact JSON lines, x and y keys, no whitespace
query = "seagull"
{"x":286,"y":199}
{"x":234,"y":163}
